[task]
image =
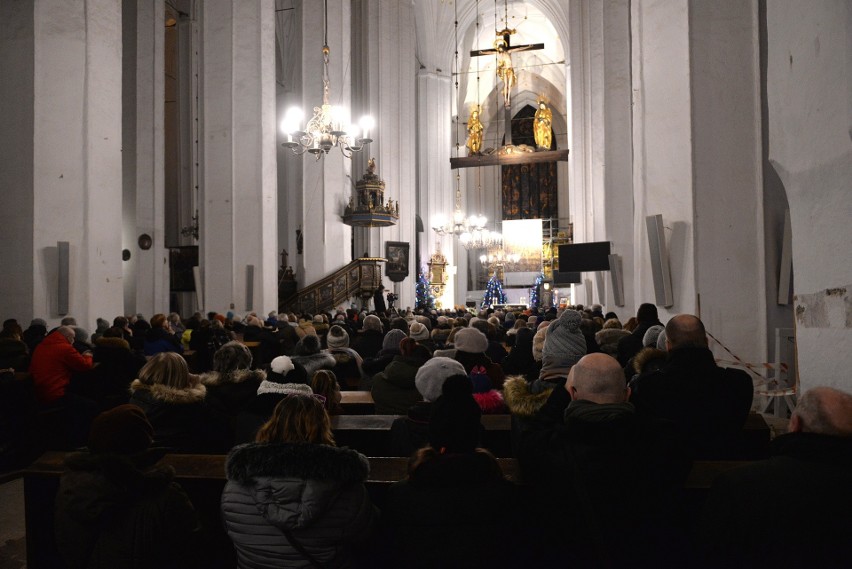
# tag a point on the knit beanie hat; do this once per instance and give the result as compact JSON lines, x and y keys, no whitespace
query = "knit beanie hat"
{"x":392,"y":339}
{"x":565,"y":344}
{"x":425,"y":320}
{"x":307,"y":346}
{"x":418,"y":332}
{"x":232,"y":356}
{"x":337,"y":337}
{"x":372,"y":322}
{"x":121,"y":430}
{"x":284,"y":370}
{"x":443,"y":321}
{"x":431,"y":376}
{"x":455,"y":425}
{"x":651,"y":335}
{"x":661,"y":340}
{"x":81,"y":335}
{"x":470,"y":340}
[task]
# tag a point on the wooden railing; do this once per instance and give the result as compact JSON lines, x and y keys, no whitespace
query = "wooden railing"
{"x":361,"y":278}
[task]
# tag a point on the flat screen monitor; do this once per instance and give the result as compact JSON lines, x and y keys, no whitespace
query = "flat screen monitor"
{"x":584,"y":257}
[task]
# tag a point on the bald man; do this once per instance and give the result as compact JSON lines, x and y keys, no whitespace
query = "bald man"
{"x":710,"y":403}
{"x":602,"y":476}
{"x":794,"y":509}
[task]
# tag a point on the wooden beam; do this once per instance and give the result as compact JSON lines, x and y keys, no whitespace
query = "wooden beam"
{"x":509,"y":159}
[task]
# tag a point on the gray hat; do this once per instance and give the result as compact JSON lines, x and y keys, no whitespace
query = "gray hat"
{"x":372,"y":322}
{"x":431,"y":376}
{"x":38,"y":322}
{"x":337,"y":337}
{"x":661,"y":340}
{"x":470,"y":340}
{"x":565,"y":344}
{"x":651,"y":335}
{"x":418,"y":332}
{"x":393,"y":338}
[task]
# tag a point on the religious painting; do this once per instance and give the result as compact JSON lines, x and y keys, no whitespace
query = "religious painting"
{"x":529,"y":191}
{"x":397,"y":252}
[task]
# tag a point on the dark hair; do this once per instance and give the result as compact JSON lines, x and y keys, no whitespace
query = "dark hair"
{"x":647,"y":313}
{"x":297,"y":418}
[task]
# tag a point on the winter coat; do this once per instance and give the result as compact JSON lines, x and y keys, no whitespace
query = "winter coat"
{"x":628,"y":346}
{"x":14,"y":354}
{"x":376,"y":365}
{"x":315,"y":362}
{"x":454,"y":511}
{"x":229,"y":393}
{"x":53,"y":362}
{"x":113,"y":511}
{"x":409,"y":433}
{"x":315,"y":491}
{"x":204,"y":342}
{"x":181,"y":420}
{"x":619,"y":474}
{"x":394,"y":391}
{"x":347,"y":367}
{"x":749,"y":515}
{"x":368,"y":343}
{"x":440,"y":336}
{"x":159,"y":340}
{"x":109,"y":381}
{"x":268,"y":349}
{"x":648,"y":360}
{"x":710,"y":403}
{"x":608,"y":339}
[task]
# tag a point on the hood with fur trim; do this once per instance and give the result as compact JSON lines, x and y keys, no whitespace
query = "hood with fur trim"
{"x":294,"y":484}
{"x":520,"y":399}
{"x":171,"y":395}
{"x":649,"y":359}
{"x":237,"y":376}
{"x":490,"y":402}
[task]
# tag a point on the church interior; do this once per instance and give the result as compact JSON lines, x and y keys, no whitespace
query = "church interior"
{"x":295,"y":155}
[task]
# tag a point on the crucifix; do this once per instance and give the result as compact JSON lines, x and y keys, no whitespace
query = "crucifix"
{"x":504,"y":49}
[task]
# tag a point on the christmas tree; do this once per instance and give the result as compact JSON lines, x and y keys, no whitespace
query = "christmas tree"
{"x":494,"y":293}
{"x":535,"y":292}
{"x":423,"y":293}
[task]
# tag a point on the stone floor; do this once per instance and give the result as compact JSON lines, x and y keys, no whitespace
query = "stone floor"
{"x":13,"y":547}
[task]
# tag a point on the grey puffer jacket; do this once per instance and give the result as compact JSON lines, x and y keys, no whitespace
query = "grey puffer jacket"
{"x":315,"y":491}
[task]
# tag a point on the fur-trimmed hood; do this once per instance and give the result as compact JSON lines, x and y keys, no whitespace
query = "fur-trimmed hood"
{"x":212,"y":378}
{"x":520,"y":399}
{"x":649,"y":359}
{"x":294,"y":484}
{"x":171,"y":395}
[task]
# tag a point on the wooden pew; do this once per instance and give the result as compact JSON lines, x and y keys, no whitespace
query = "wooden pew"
{"x":357,"y":402}
{"x":370,"y":434}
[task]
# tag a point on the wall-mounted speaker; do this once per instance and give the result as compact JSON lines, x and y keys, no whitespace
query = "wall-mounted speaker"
{"x":659,"y":260}
{"x":199,"y":292}
{"x":600,"y":288}
{"x":63,"y":250}
{"x":786,"y":267}
{"x":249,"y":287}
{"x":615,"y":274}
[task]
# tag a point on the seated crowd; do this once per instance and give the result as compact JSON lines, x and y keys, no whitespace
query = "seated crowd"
{"x":606,"y":422}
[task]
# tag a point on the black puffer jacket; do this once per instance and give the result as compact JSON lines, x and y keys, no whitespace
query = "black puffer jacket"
{"x":315,"y":491}
{"x":112,"y":511}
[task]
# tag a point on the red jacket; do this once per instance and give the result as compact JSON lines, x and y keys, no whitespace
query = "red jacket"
{"x":53,"y":362}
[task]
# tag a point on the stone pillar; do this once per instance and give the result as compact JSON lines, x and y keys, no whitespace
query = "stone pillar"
{"x":435,"y":180}
{"x":327,"y":182}
{"x":148,"y":270}
{"x":809,"y":85}
{"x":663,"y":153}
{"x":384,"y":87}
{"x":238,"y":168}
{"x":61,"y":157}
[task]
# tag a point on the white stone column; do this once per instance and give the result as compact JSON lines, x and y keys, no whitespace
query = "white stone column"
{"x":149,"y":269}
{"x":809,"y":83}
{"x":238,"y":172}
{"x":326,"y":183}
{"x":68,"y":181}
{"x":435,"y":180}
{"x":386,"y":90}
{"x":662,"y":143}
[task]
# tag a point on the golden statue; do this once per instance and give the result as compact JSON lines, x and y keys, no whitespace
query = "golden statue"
{"x":371,"y":166}
{"x":506,"y":73}
{"x":474,"y":133}
{"x":542,"y":126}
